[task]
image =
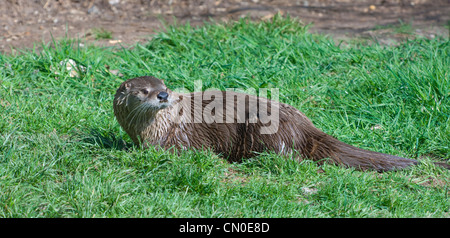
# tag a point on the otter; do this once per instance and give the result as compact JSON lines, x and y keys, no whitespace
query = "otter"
{"x":234,"y":127}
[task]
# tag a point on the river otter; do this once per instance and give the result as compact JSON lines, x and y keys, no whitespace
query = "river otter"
{"x":232,"y":124}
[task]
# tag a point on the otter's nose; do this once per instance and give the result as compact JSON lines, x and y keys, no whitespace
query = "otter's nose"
{"x":162,"y":96}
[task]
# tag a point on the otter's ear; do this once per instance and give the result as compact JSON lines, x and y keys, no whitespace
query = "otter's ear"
{"x":126,"y":86}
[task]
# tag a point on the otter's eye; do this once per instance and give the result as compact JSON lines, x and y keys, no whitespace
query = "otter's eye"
{"x":144,"y":91}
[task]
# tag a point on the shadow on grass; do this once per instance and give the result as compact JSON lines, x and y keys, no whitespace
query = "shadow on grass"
{"x":106,"y":139}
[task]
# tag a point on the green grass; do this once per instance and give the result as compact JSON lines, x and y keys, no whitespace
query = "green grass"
{"x":62,"y":152}
{"x":101,"y":33}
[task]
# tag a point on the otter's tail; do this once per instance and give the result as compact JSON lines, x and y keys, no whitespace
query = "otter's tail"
{"x":325,"y":146}
{"x":364,"y":159}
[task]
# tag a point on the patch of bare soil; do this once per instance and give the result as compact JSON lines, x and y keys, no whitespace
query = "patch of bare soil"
{"x":24,"y":23}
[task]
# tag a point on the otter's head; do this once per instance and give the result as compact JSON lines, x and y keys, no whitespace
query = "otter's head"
{"x":137,"y":102}
{"x":145,"y":93}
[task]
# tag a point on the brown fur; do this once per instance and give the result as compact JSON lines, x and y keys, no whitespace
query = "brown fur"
{"x":167,"y":126}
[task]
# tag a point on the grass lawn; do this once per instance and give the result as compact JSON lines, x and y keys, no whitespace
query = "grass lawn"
{"x":62,"y":152}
